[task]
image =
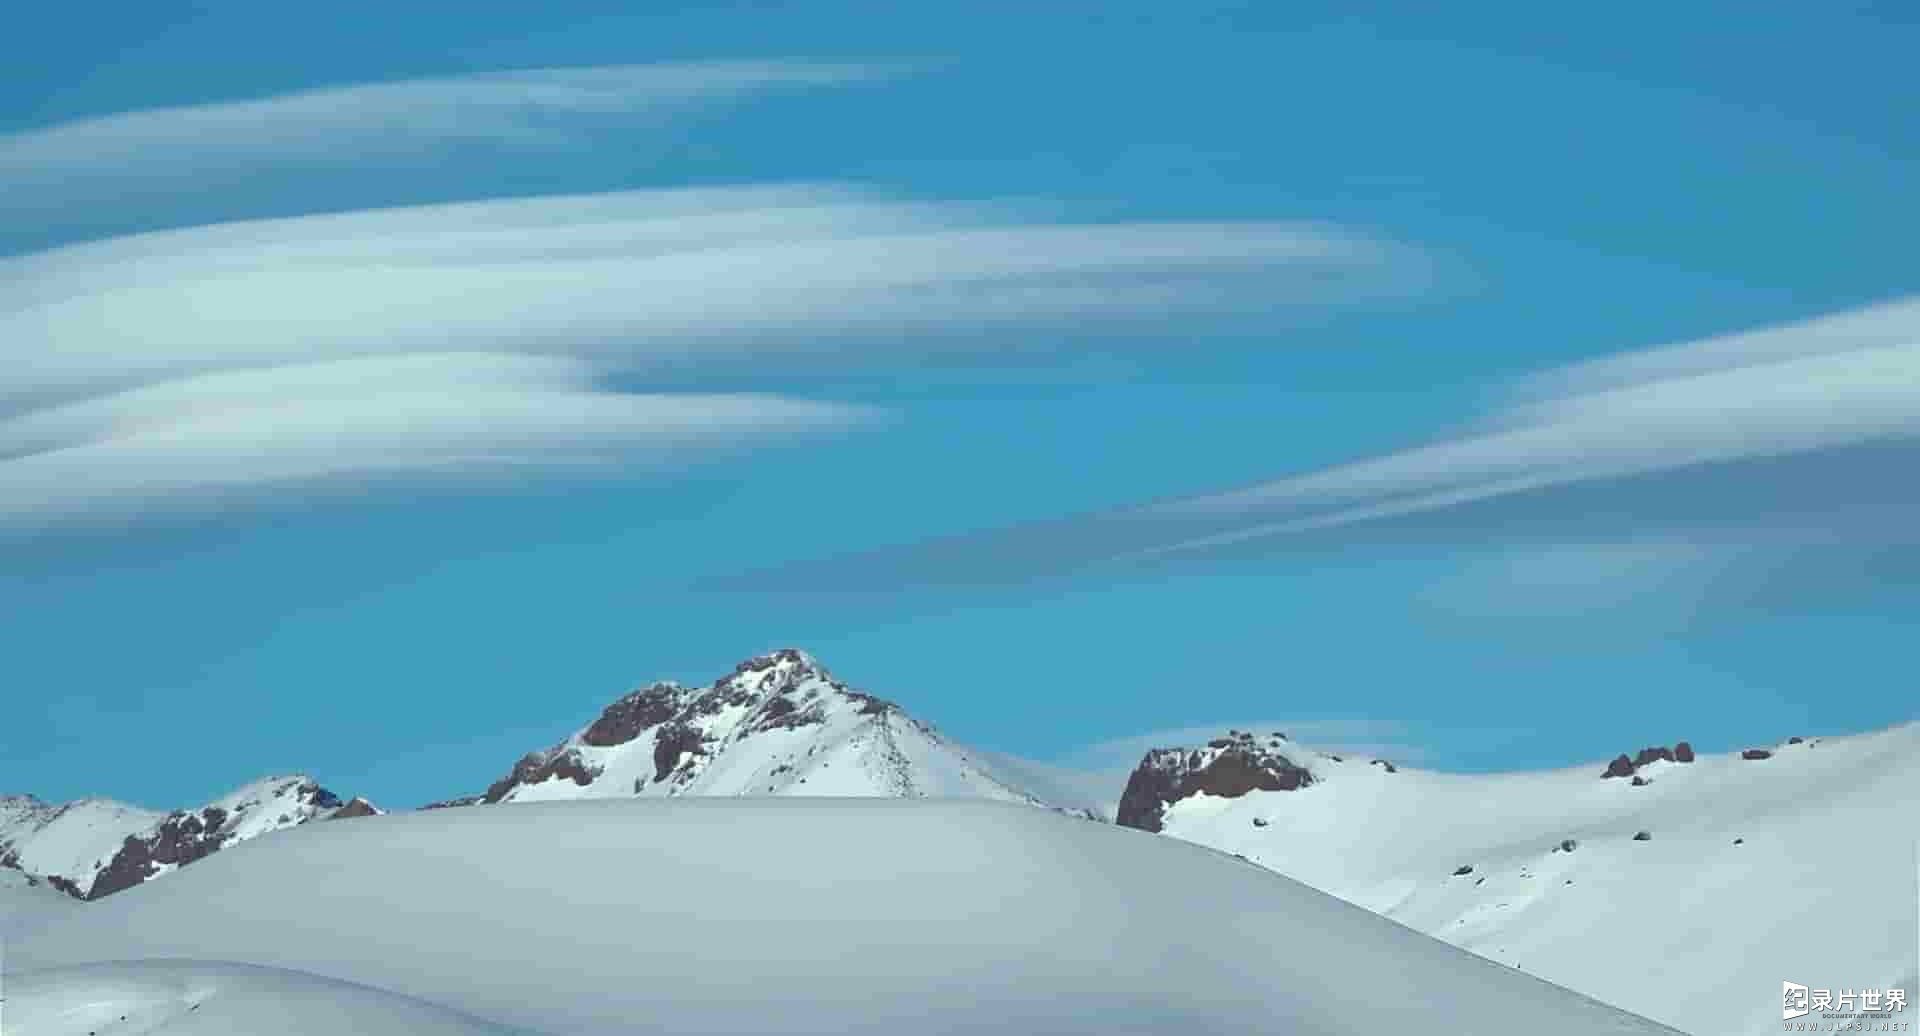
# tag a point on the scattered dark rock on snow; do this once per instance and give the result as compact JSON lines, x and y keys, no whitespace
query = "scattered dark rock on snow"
{"x":1568,"y":845}
{"x":1477,"y":882}
{"x":1169,"y":775}
{"x":1640,"y":782}
{"x":464,"y":800}
{"x":1463,"y":870}
{"x":1795,"y":740}
{"x":1260,"y":821}
{"x":1756,"y":753}
{"x":1643,"y":836}
{"x":1739,"y":841}
{"x":1388,"y":765}
{"x":870,"y":705}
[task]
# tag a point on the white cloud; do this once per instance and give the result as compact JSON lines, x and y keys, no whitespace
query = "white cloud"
{"x":1755,"y":451}
{"x":1842,"y":381}
{"x":142,"y":373}
{"x":644,"y":282}
{"x":176,"y":149}
{"x":182,"y":446}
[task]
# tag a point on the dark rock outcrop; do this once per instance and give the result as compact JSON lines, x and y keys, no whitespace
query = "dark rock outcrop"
{"x":1643,"y":836}
{"x":1382,"y":762}
{"x":535,"y":767}
{"x":1624,"y":765}
{"x":358,"y":807}
{"x":1169,"y":775}
{"x":1463,"y":870}
{"x":1648,"y":755}
{"x":633,"y":715}
{"x":1756,"y":753}
{"x":673,"y":740}
{"x":181,"y":839}
{"x":782,"y":714}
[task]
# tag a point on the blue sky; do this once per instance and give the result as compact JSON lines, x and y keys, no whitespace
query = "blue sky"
{"x":938,"y":342}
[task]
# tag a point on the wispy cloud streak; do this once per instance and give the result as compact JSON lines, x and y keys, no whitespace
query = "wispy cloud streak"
{"x":184,"y":446}
{"x":142,"y":373}
{"x":1783,"y":438}
{"x":645,"y":281}
{"x":451,"y":337}
{"x":151,"y":154}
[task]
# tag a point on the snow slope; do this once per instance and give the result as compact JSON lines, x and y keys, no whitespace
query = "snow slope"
{"x":26,"y":901}
{"x":95,"y":847}
{"x":856,"y":916}
{"x":199,"y":998}
{"x":1796,"y":867}
{"x":779,"y":724}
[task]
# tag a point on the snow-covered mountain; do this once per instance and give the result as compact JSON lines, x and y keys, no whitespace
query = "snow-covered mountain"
{"x":95,"y":847}
{"x":1682,"y":886}
{"x":779,"y":724}
{"x":704,"y":916}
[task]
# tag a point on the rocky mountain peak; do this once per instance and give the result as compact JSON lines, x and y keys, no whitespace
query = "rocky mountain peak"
{"x":91,"y":848}
{"x":1227,"y":767}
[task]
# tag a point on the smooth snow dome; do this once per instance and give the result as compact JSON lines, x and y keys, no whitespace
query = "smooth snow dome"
{"x":1797,"y":867}
{"x":811,"y":916}
{"x":201,"y":998}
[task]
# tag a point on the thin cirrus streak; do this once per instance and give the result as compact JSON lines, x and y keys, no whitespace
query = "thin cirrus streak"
{"x":1755,"y":444}
{"x":169,"y":151}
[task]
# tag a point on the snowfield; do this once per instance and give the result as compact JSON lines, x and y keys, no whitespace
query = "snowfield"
{"x":201,"y":998}
{"x":25,"y":902}
{"x":1796,"y":867}
{"x":770,"y":916}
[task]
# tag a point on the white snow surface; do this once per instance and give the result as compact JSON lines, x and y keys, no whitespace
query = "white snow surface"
{"x":856,"y":916}
{"x":206,"y":998}
{"x":27,"y":901}
{"x":1687,"y":927}
{"x":781,"y":724}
